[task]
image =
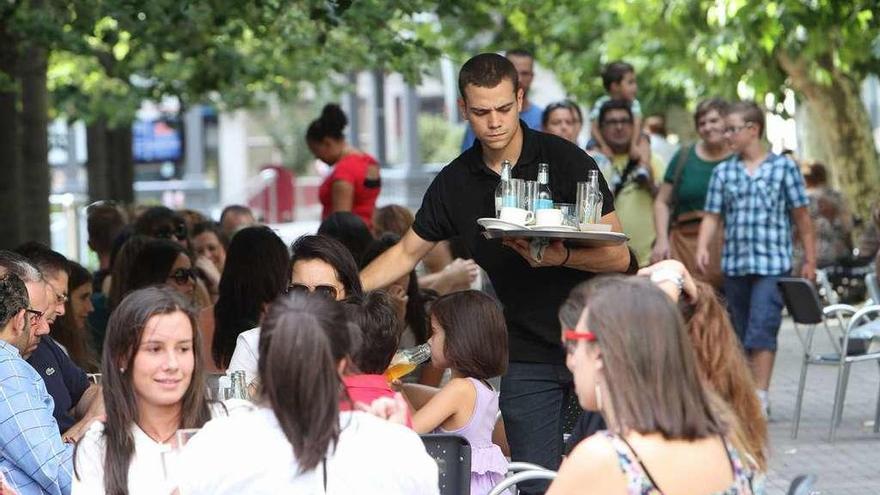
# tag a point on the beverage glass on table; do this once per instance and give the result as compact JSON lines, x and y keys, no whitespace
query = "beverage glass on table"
{"x":569,"y":214}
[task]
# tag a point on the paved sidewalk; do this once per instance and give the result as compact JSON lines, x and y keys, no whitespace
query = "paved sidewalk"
{"x":849,"y":466}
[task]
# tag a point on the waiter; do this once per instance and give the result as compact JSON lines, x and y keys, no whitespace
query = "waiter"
{"x":537,"y":384}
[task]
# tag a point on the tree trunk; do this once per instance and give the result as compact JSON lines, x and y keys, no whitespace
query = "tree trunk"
{"x":842,"y":121}
{"x":10,"y":158}
{"x":96,"y":164}
{"x":35,"y":144}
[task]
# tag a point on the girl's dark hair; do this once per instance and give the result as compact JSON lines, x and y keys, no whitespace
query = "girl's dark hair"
{"x":329,"y":125}
{"x":302,"y":340}
{"x":153,"y":264}
{"x":214,"y":228}
{"x":124,"y":266}
{"x":350,"y":230}
{"x":416,"y":318}
{"x":77,"y":341}
{"x":257,"y":270}
{"x":124,"y":332}
{"x":649,"y":364}
{"x":332,"y":252}
{"x":475,"y":341}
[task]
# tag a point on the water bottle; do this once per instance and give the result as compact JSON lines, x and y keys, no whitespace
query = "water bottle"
{"x":406,"y":360}
{"x":504,"y":194}
{"x":544,"y":197}
{"x":593,"y":203}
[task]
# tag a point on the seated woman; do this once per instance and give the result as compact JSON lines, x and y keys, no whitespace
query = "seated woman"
{"x":153,"y":386}
{"x":663,"y":434}
{"x":320,"y":265}
{"x":165,"y":262}
{"x":210,"y":245}
{"x":71,"y":330}
{"x":297,"y":440}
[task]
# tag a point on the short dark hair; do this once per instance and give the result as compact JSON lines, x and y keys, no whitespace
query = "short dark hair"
{"x":49,"y":262}
{"x":486,"y":70}
{"x":332,"y":252}
{"x":395,"y":219}
{"x":235,"y":209}
{"x":475,"y":343}
{"x":152,"y":221}
{"x":715,"y":103}
{"x":214,"y":228}
{"x":614,"y":105}
{"x":153,"y":263}
{"x":750,"y":112}
{"x":330,"y":124}
{"x":13,"y":297}
{"x":104,"y":222}
{"x":614,"y":72}
{"x":380,"y":331}
{"x":350,"y":230}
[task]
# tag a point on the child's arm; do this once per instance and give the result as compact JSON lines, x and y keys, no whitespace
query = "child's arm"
{"x":418,"y":395}
{"x":634,"y":150}
{"x":446,"y":407}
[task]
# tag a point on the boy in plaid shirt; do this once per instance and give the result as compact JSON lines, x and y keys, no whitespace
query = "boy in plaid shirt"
{"x":757,"y":194}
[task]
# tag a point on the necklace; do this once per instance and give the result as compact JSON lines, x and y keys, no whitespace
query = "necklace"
{"x":158,"y":439}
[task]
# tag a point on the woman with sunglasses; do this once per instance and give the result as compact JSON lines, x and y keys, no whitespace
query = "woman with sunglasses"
{"x":153,"y":386}
{"x":664,"y":434}
{"x":249,"y":283}
{"x":320,"y":265}
{"x":163,"y":262}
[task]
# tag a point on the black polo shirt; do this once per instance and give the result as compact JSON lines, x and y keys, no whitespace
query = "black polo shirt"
{"x":465,"y":191}
{"x":65,"y":381}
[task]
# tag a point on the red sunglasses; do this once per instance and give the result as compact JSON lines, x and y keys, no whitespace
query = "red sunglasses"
{"x":571,"y":337}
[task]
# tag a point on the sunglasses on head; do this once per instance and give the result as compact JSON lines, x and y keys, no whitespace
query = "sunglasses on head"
{"x":183,"y":275}
{"x":322,"y":290}
{"x":167,"y":232}
{"x":571,"y":337}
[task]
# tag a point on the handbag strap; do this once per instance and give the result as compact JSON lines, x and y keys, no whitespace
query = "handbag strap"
{"x":676,"y":181}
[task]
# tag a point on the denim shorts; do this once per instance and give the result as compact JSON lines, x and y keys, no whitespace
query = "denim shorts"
{"x":755,"y":307}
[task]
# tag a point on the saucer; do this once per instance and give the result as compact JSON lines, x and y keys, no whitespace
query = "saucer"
{"x":554,"y":228}
{"x":595,"y":227}
{"x":495,"y":223}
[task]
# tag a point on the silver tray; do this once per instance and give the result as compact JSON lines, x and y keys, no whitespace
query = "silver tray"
{"x":578,"y":239}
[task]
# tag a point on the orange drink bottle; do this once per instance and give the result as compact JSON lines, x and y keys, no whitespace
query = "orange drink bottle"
{"x":406,"y":360}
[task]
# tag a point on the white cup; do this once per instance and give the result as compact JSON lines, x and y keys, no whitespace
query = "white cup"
{"x":518,"y":216}
{"x":548,"y":217}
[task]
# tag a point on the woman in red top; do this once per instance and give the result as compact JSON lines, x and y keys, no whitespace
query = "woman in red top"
{"x":353,"y":184}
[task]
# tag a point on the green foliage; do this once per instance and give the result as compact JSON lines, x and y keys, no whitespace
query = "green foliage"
{"x":439,"y":140}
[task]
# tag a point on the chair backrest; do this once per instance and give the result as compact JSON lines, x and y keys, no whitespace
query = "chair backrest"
{"x":453,"y":456}
{"x":801,"y":300}
{"x":873,"y":287}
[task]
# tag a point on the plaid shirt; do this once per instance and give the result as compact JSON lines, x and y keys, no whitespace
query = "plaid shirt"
{"x":756,"y":213}
{"x":32,"y":457}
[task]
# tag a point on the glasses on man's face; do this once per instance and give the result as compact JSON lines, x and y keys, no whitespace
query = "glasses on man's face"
{"x":36,"y":316}
{"x":60,"y":297}
{"x":571,"y":337}
{"x":617,"y":122}
{"x":322,"y":290}
{"x":178,"y":232}
{"x":182,"y":276}
{"x":736,"y":129}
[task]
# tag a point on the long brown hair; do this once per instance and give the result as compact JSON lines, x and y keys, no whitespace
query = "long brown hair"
{"x":124,"y":332}
{"x":723,"y":366}
{"x":649,"y":364}
{"x":66,"y":330}
{"x":303,"y":337}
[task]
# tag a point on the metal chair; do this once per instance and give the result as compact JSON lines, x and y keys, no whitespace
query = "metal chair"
{"x":453,"y":456}
{"x":519,"y":477}
{"x":803,"y":304}
{"x":802,"y":485}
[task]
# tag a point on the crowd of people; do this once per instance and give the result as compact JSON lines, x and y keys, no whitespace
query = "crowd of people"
{"x":631,"y":368}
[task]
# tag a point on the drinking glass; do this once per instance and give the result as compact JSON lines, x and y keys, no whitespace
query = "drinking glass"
{"x":519,"y":187}
{"x":583,"y":188}
{"x":531,"y":194}
{"x":569,"y":214}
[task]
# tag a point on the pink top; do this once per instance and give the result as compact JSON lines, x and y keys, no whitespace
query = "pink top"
{"x":366,"y":389}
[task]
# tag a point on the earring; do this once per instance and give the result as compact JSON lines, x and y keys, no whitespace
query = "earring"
{"x":598,"y":391}
{"x":122,"y":370}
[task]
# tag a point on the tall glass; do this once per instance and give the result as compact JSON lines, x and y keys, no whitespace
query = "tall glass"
{"x":518,"y":187}
{"x":531,"y":194}
{"x":583,"y":190}
{"x":569,"y":214}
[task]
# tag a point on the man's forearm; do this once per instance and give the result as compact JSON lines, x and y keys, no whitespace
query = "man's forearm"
{"x":806,"y":233}
{"x":708,"y":227}
{"x":608,"y":259}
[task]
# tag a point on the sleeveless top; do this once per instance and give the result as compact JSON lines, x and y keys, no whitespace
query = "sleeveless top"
{"x":640,"y":482}
{"x":353,"y":169}
{"x":486,"y":457}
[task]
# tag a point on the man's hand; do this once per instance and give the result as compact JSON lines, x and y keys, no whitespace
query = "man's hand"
{"x":703,"y":259}
{"x":660,"y":251}
{"x":808,"y":270}
{"x":75,"y":432}
{"x":399,"y":298}
{"x":554,"y":254}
